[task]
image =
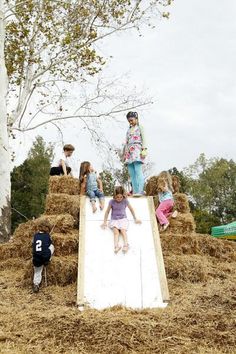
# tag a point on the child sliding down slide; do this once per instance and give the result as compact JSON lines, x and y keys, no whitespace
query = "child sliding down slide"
{"x":91,"y":184}
{"x":119,"y":222}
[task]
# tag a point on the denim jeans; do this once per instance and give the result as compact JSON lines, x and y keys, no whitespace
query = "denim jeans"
{"x":136,"y":175}
{"x":95,"y":193}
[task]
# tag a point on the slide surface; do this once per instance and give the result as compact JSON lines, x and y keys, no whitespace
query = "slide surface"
{"x":136,"y":279}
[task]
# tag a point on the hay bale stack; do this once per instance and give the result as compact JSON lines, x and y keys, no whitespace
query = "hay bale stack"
{"x":195,"y":244}
{"x":151,"y":186}
{"x":196,"y":268}
{"x":21,"y":245}
{"x":62,"y":184}
{"x":61,"y":271}
{"x":25,"y":230}
{"x":181,"y":203}
{"x":62,"y":223}
{"x":11,"y":263}
{"x":65,"y":244}
{"x":191,"y":269}
{"x":63,"y":204}
{"x":184,"y":223}
{"x":15,"y":250}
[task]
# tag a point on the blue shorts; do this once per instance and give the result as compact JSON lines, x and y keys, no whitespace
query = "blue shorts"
{"x":93,"y":194}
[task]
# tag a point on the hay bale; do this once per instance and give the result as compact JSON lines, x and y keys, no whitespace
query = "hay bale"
{"x":196,"y":268}
{"x":21,"y":248}
{"x":191,"y":269}
{"x":65,"y":245}
{"x":63,"y":184}
{"x":20,"y":245}
{"x":15,"y":250}
{"x":60,"y":223}
{"x":21,"y":242}
{"x":181,"y":203}
{"x":63,"y":204}
{"x":175,"y":184}
{"x":151,"y":186}
{"x":184,"y":223}
{"x":11,"y":263}
{"x":205,"y":245}
{"x":25,"y":230}
{"x":61,"y":271}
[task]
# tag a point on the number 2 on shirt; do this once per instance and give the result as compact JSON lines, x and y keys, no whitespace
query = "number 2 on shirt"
{"x":38,"y":246}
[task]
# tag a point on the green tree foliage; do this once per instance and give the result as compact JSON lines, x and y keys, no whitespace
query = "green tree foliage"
{"x":30,"y":182}
{"x":108,"y":182}
{"x":212,"y":185}
{"x":205,"y":220}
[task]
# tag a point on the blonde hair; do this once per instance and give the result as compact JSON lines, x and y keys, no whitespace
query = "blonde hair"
{"x":168,"y":179}
{"x":161,"y":184}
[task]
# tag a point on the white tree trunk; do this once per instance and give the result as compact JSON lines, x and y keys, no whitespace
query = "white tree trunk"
{"x":5,"y":185}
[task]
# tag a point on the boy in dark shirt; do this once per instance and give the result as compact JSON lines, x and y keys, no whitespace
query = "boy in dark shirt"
{"x":42,"y":251}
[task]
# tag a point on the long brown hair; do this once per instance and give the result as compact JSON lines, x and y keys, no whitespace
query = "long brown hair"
{"x":119,"y":190}
{"x":84,"y":170}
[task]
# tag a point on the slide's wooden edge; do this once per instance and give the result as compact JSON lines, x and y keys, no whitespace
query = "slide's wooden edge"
{"x":81,"y":253}
{"x":158,"y":252}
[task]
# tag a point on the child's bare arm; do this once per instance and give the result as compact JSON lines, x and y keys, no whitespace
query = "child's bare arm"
{"x":100,"y":184}
{"x":104,"y":225}
{"x":133,"y":213}
{"x":63,"y":165}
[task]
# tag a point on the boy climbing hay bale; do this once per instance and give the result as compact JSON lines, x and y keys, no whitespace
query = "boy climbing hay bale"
{"x":61,"y":271}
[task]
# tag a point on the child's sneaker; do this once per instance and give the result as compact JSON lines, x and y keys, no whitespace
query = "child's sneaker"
{"x":35,"y":288}
{"x":165,"y":227}
{"x":174,"y":215}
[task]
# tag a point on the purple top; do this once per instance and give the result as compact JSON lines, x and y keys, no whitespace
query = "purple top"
{"x":118,"y":209}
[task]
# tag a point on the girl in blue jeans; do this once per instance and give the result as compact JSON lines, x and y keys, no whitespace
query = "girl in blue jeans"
{"x":91,"y":184}
{"x":135,"y":152}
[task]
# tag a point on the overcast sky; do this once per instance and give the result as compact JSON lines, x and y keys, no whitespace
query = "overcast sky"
{"x":187,"y":65}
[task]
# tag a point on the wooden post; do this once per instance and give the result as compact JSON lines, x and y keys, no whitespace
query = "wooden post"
{"x":80,"y":282}
{"x":158,"y":251}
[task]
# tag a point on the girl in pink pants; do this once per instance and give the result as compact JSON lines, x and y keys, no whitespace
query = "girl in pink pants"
{"x":165,"y":208}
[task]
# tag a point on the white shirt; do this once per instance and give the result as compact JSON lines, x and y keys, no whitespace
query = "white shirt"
{"x":57,"y":161}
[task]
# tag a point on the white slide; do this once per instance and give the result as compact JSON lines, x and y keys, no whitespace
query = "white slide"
{"x":136,"y":279}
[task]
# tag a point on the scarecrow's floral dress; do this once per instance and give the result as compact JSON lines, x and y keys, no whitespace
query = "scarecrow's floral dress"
{"x":133,"y":146}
